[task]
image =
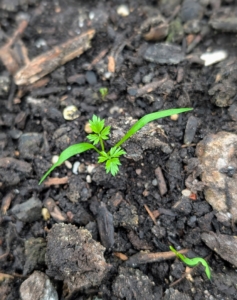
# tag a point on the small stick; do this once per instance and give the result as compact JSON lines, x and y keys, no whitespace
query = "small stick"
{"x":6,"y":202}
{"x":144,"y":258}
{"x":161,"y":181}
{"x":56,"y":181}
{"x":150,"y":87}
{"x":150,"y":214}
{"x":50,"y":60}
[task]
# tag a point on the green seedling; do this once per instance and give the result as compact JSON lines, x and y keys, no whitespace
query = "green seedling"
{"x":103,"y":92}
{"x":101,"y":133}
{"x":192,"y":262}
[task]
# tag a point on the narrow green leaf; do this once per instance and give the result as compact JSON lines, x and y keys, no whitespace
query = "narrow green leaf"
{"x":67,"y":153}
{"x":148,"y":118}
{"x":192,"y":262}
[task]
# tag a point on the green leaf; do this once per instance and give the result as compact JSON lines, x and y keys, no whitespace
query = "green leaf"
{"x":96,"y":124}
{"x":192,"y":262}
{"x":148,"y":118}
{"x":112,"y":165}
{"x":67,"y":153}
{"x":104,"y":156}
{"x":116,"y":151}
{"x":104,"y":92}
{"x":105,"y":132}
{"x":93,"y":138}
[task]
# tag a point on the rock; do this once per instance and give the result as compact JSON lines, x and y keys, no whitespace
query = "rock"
{"x":133,"y":284}
{"x":38,"y":287}
{"x":35,"y":249}
{"x":126,"y":216}
{"x":224,"y":24}
{"x":183,"y":206}
{"x":78,"y":189}
{"x":190,"y":130}
{"x":172,"y":294}
{"x":30,"y":144}
{"x":28,"y":211}
{"x":74,"y":257}
{"x":162,"y":53}
{"x":71,"y":113}
{"x":217,"y":156}
{"x":105,"y":226}
{"x":224,"y":245}
{"x":4,"y":85}
{"x":123,"y":10}
{"x":13,"y":170}
{"x":190,"y":10}
{"x":91,"y":77}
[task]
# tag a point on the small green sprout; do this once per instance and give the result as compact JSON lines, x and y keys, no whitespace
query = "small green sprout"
{"x":101,"y":133}
{"x":103,"y":92}
{"x":192,"y":262}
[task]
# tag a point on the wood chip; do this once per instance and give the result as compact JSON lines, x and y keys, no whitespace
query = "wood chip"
{"x":111,"y":64}
{"x":150,"y":214}
{"x":56,"y":181}
{"x":121,"y":256}
{"x":50,"y":60}
{"x":161,"y":181}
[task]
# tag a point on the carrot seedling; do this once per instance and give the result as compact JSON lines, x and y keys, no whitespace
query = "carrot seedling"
{"x":192,"y":262}
{"x":101,"y":133}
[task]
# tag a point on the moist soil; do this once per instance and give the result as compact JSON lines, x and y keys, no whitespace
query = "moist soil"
{"x":34,"y":129}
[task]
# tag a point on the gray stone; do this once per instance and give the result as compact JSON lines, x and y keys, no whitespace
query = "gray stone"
{"x":172,"y":294}
{"x":30,"y":144}
{"x":162,"y":53}
{"x":133,"y":284}
{"x":190,"y":10}
{"x":74,"y":257}
{"x":190,"y":130}
{"x":28,"y":211}
{"x":38,"y":287}
{"x":224,"y":245}
{"x":4,"y":85}
{"x":217,"y":156}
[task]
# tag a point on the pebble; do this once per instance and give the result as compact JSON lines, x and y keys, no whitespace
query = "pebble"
{"x":15,"y":134}
{"x":154,"y":182}
{"x":68,"y":164}
{"x":123,"y":10}
{"x":81,"y":168}
{"x":88,"y":179}
{"x":30,"y":144}
{"x":90,"y":168}
{"x":87,"y":128}
{"x":75,"y":167}
{"x":190,"y":130}
{"x":54,"y":159}
{"x":186,"y":193}
{"x":191,"y":10}
{"x":91,"y":77}
{"x":162,"y":53}
{"x":38,"y":287}
{"x":71,"y":113}
{"x":212,"y":58}
{"x":174,"y":117}
{"x":4,"y":85}
{"x":138,"y":171}
{"x":45,"y":213}
{"x":28,"y":211}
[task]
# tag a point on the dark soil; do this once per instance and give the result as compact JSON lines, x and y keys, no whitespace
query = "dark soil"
{"x":112,"y":208}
